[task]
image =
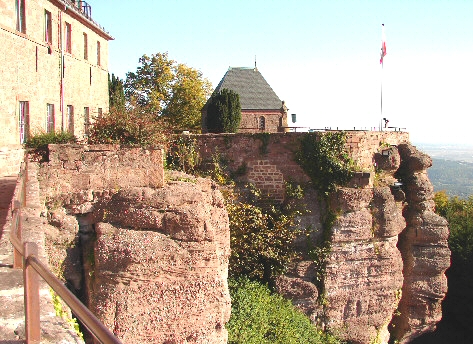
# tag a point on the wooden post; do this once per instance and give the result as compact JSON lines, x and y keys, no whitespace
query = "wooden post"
{"x":31,"y":285}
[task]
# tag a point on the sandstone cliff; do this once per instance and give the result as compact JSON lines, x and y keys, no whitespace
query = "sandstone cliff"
{"x":384,"y":275}
{"x":150,"y":256}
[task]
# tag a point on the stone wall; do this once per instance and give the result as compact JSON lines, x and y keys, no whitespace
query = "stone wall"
{"x":267,"y":160}
{"x":85,"y":171}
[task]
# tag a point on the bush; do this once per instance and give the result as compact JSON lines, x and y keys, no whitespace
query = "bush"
{"x":326,"y":160}
{"x":134,"y":126}
{"x":259,"y":316}
{"x":38,"y":143}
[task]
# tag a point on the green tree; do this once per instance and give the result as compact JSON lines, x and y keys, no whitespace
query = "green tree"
{"x":188,"y":95}
{"x":223,"y":112}
{"x":459,"y":214}
{"x":116,"y":93}
{"x":262,"y":233}
{"x":167,"y":89}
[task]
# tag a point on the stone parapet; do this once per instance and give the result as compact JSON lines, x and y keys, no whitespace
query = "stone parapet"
{"x":87,"y":170}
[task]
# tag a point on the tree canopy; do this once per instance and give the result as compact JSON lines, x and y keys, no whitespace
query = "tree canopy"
{"x":223,"y":112}
{"x":169,"y":90}
{"x":116,"y":93}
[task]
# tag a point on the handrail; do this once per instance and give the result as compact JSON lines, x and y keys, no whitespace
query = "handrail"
{"x":25,"y":257}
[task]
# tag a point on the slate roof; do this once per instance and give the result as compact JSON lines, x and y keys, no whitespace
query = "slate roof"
{"x":255,"y":92}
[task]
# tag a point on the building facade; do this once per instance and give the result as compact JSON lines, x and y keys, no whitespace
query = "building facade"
{"x":54,"y":68}
{"x":261,"y":108}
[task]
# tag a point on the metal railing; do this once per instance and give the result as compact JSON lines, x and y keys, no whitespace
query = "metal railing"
{"x":26,"y":257}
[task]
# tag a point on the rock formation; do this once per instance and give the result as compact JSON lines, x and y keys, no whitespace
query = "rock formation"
{"x":154,"y":255}
{"x":373,"y":287}
{"x":150,"y":262}
{"x":424,"y":248}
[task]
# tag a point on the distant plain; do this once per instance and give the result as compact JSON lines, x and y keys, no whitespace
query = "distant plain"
{"x":452,"y":168}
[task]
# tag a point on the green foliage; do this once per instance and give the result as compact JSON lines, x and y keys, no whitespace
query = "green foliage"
{"x":264,"y":137}
{"x":261,"y":235}
{"x":116,"y":93}
{"x":223,"y":112}
{"x":325,"y":160}
{"x":168,"y":89}
{"x":60,"y":312}
{"x":134,"y":126}
{"x":259,"y":317}
{"x":459,"y":214}
{"x":182,"y":154}
{"x":39,"y":142}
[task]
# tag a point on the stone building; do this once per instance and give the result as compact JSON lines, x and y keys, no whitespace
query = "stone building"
{"x":261,"y":108}
{"x":54,"y":68}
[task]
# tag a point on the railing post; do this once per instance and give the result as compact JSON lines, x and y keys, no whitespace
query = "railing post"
{"x":16,"y":227}
{"x":31,"y":281}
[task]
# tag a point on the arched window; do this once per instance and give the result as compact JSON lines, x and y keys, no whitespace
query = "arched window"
{"x":262,"y":123}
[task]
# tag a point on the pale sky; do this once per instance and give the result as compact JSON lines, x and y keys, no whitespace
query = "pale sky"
{"x":321,"y":57}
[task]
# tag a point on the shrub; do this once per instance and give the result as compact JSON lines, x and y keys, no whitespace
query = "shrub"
{"x":259,"y":316}
{"x":38,"y":143}
{"x":325,"y":160}
{"x":133,"y":126}
{"x":182,"y":154}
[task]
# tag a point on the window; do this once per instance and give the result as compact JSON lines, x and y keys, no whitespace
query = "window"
{"x":24,"y":121}
{"x":48,"y":27}
{"x":98,"y":53}
{"x":68,"y":38}
{"x":86,"y":49}
{"x":99,"y":112}
{"x":86,"y":121}
{"x":20,"y":16}
{"x":50,"y":118}
{"x":70,"y":119}
{"x":262,"y":123}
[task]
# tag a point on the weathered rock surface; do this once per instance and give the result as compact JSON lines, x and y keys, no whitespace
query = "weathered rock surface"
{"x":150,"y":258}
{"x":160,"y":264}
{"x":424,"y":249}
{"x":384,"y":275}
{"x":364,"y":268}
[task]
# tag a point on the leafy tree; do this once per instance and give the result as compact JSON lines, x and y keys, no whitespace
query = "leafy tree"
{"x":261,"y":235}
{"x":188,"y":95}
{"x":459,"y":214}
{"x":223,"y":112}
{"x":168,"y":89}
{"x":116,"y":93}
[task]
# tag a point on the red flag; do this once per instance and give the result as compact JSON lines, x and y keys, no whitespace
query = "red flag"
{"x":383,"y":46}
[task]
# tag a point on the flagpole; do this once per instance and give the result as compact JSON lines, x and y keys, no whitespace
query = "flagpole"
{"x":383,"y":53}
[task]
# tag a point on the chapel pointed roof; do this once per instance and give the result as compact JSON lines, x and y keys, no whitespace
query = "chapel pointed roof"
{"x":254,"y":91}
